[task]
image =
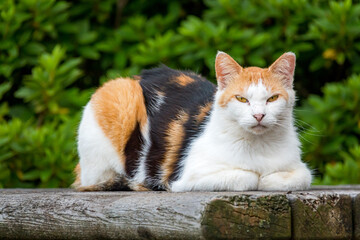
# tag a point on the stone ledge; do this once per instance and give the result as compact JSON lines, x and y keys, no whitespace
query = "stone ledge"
{"x":326,"y":212}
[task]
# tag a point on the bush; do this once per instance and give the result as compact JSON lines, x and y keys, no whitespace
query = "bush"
{"x":33,"y":156}
{"x":331,"y":138}
{"x":54,"y":53}
{"x":40,"y":151}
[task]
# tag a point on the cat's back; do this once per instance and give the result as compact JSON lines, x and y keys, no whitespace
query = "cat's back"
{"x":164,"y":86}
{"x":177,"y":103}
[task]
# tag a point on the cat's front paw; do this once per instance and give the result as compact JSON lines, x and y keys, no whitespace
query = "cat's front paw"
{"x":227,"y":180}
{"x":285,"y":181}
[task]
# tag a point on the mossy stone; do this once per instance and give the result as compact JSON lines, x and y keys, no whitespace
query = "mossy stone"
{"x":247,"y":217}
{"x":324,"y":216}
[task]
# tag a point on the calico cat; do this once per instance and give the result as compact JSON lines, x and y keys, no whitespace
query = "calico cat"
{"x":174,"y":130}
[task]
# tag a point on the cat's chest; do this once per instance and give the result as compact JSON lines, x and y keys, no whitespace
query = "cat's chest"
{"x":209,"y":153}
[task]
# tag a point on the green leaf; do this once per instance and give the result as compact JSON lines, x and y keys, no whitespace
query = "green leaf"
{"x":45,"y":175}
{"x":4,"y":87}
{"x":87,"y":37}
{"x":68,"y":65}
{"x":89,"y":52}
{"x":34,"y":48}
{"x":6,"y":156}
{"x":31,"y":175}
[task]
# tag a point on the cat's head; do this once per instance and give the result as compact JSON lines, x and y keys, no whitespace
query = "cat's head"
{"x":258,"y":99}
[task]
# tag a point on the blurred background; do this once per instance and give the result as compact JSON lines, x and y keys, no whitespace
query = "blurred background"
{"x":53,"y":54}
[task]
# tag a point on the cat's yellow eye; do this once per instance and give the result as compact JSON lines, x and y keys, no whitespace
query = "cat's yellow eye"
{"x":241,"y":99}
{"x":273,"y":98}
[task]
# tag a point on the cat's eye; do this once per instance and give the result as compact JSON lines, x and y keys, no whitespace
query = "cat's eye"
{"x":273,"y":98}
{"x":241,"y":99}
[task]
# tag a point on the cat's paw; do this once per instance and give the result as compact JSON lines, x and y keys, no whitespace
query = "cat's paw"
{"x":228,"y":180}
{"x":247,"y":182}
{"x":285,"y":181}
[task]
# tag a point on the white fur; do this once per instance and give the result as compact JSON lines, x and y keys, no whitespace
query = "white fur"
{"x":232,"y":155}
{"x":160,"y":100}
{"x":140,"y":175}
{"x":98,"y":158}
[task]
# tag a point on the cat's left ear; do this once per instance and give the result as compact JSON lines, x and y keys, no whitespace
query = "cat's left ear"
{"x":226,"y":69}
{"x":284,"y":67}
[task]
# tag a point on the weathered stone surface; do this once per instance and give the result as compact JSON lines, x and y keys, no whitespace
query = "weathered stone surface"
{"x":321,"y":213}
{"x":356,"y":215}
{"x":248,"y":217}
{"x":322,"y":216}
{"x":100,"y":215}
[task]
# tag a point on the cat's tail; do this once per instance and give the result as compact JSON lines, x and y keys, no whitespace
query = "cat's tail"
{"x":117,"y":183}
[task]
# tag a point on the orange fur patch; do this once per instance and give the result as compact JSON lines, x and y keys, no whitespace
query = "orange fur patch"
{"x":251,"y":75}
{"x":184,"y":80}
{"x":77,"y":172}
{"x":139,"y":187}
{"x":174,"y":138}
{"x":119,"y":106}
{"x":203,"y":112}
{"x":91,"y":188}
{"x":136,"y":77}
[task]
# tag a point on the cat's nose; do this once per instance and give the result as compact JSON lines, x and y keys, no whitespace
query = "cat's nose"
{"x":259,"y":117}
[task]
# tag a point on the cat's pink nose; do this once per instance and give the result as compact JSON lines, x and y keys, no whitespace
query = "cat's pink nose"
{"x":258,"y":117}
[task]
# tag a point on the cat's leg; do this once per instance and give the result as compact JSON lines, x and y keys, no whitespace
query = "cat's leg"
{"x":225,"y":180}
{"x":99,"y":164}
{"x":296,"y":179}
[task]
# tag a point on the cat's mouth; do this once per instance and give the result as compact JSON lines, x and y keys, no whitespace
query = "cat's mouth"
{"x":259,"y":126}
{"x":259,"y":129}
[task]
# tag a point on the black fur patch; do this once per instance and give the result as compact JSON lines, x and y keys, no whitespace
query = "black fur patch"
{"x":177,"y":98}
{"x":120,"y":183}
{"x":132,"y":151}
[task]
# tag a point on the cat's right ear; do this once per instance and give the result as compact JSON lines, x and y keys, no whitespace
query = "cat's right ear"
{"x":226,"y":69}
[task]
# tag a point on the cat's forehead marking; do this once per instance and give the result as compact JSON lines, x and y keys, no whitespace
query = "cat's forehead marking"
{"x":251,"y":76}
{"x":269,"y":81}
{"x":257,"y":91}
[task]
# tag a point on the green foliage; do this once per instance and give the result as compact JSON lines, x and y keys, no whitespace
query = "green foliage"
{"x":46,"y":87}
{"x":332,"y":133}
{"x":53,"y":53}
{"x":42,"y":153}
{"x":338,"y":29}
{"x":33,"y":156}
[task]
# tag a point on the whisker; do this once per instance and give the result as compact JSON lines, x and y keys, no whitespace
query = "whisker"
{"x":313,"y":134}
{"x":280,"y":125}
{"x":302,"y":110}
{"x":303,"y":138}
{"x":307,"y":128}
{"x":307,"y":124}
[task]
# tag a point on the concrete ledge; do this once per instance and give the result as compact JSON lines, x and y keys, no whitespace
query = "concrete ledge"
{"x":321,"y":213}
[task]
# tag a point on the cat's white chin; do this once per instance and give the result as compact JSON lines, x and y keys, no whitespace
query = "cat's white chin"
{"x":258,"y":129}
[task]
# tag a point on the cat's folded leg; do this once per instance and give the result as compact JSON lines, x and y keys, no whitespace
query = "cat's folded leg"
{"x":295,"y":179}
{"x":224,"y":180}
